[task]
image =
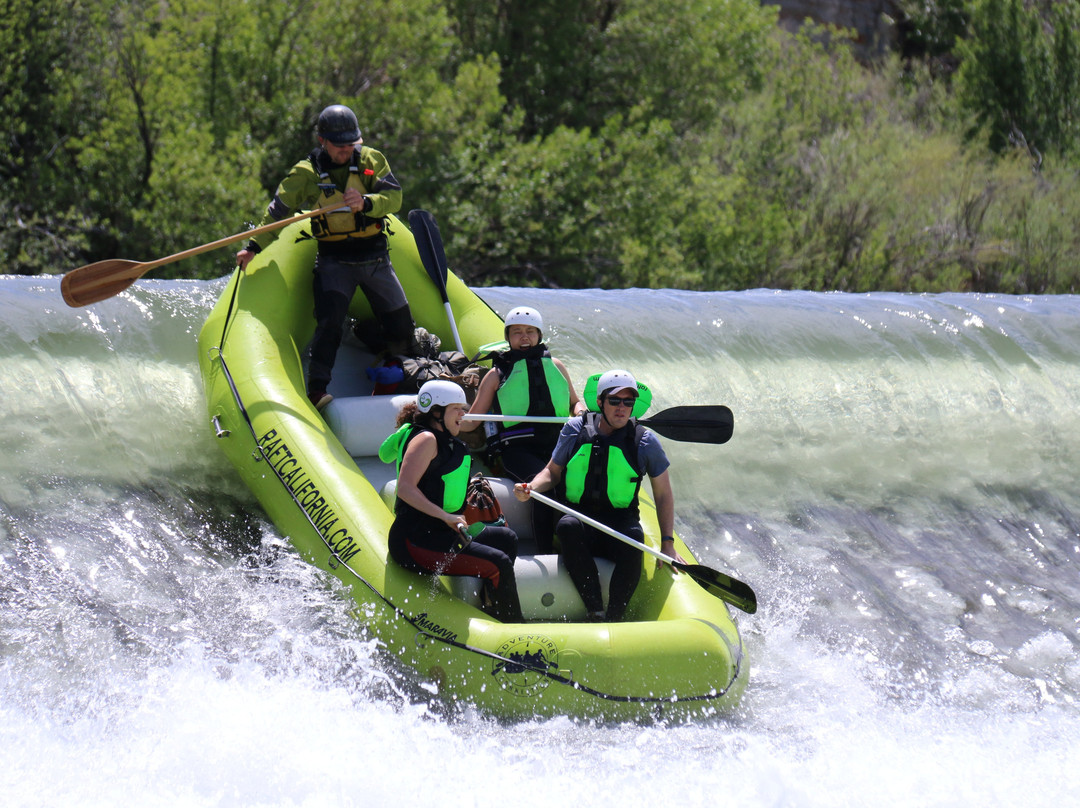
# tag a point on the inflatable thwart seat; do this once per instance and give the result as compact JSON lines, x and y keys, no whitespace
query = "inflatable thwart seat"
{"x":546,"y":592}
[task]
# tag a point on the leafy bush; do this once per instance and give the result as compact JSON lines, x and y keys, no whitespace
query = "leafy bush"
{"x":1020,"y":74}
{"x":690,"y":144}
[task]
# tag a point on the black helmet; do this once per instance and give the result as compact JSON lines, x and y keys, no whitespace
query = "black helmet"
{"x":338,"y":124}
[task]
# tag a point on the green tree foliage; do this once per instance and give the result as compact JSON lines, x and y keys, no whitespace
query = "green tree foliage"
{"x":573,"y":63}
{"x":931,"y":27}
{"x":1020,"y":73}
{"x":683,"y":59}
{"x":547,"y":52}
{"x":616,"y":192}
{"x":608,"y":143}
{"x":44,"y":105}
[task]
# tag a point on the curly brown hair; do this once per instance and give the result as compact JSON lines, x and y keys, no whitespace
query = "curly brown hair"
{"x":410,"y":414}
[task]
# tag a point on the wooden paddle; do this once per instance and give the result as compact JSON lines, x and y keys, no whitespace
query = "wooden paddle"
{"x":104,"y":279}
{"x":723,"y":586}
{"x":705,"y":423}
{"x":433,"y":257}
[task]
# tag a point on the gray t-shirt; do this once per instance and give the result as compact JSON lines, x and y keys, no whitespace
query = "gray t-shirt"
{"x":650,"y":452}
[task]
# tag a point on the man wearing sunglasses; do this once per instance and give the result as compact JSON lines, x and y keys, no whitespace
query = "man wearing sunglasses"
{"x":600,"y":460}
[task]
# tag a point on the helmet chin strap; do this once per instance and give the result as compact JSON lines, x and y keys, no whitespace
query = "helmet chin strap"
{"x":439,"y":420}
{"x":442,"y":419}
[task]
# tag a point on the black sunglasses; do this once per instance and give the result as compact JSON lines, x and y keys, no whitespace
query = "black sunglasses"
{"x":615,"y":401}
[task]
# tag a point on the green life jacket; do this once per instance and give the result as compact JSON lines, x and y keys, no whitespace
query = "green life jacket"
{"x":447,"y":476}
{"x":603,"y":472}
{"x":342,"y":224}
{"x":531,"y":385}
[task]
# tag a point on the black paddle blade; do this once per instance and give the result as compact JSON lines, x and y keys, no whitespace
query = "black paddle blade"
{"x":705,"y":423}
{"x":728,"y":589}
{"x":429,"y":245}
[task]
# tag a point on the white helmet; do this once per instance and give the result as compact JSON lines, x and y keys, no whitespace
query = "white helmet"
{"x":523,"y":315}
{"x":439,"y":393}
{"x":615,"y":380}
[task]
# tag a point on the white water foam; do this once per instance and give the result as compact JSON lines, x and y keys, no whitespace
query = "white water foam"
{"x":916,"y":643}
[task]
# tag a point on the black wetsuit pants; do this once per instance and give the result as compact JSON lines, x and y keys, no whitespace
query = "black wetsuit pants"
{"x":334,"y":285}
{"x":579,"y":543}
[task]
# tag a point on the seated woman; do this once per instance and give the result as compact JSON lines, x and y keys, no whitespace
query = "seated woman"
{"x":526,"y":380}
{"x":429,"y":533}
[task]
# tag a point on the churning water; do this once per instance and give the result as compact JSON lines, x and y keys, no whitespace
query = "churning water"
{"x":900,"y":492}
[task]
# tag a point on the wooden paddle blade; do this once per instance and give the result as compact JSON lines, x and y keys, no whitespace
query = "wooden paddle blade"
{"x":707,"y":423}
{"x":429,"y":245}
{"x":96,"y":282}
{"x":728,"y":589}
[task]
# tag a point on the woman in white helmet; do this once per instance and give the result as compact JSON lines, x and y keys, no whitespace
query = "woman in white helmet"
{"x":353,"y":251}
{"x":600,"y":461}
{"x":433,"y":474}
{"x":526,"y":380}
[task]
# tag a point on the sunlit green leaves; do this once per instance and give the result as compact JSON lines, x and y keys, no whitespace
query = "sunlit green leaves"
{"x":597,"y":143}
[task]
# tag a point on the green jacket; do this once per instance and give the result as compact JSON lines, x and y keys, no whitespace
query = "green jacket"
{"x":300,"y":190}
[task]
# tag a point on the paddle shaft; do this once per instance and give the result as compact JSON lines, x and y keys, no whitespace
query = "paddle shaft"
{"x":552,"y":503}
{"x":722,"y":586}
{"x":533,"y":419}
{"x":221,"y":242}
{"x":103,"y":279}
